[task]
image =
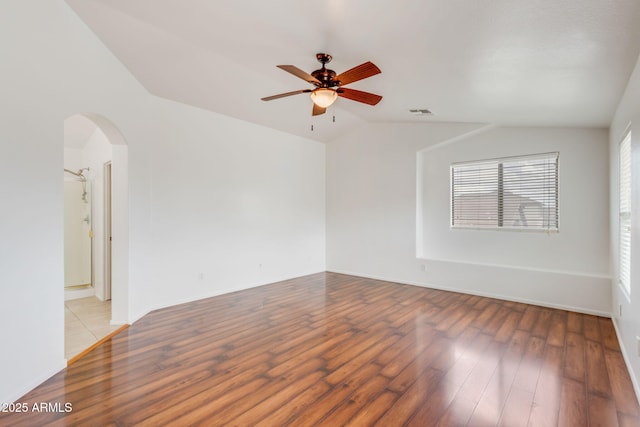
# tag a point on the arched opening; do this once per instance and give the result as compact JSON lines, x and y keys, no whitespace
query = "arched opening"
{"x":96,"y":295}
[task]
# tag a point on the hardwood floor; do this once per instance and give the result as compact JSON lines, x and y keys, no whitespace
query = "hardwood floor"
{"x":330,"y":349}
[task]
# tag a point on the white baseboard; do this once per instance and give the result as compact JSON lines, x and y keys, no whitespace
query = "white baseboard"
{"x":71,"y":294}
{"x":625,"y":356}
{"x":482,"y":294}
{"x":212,"y":293}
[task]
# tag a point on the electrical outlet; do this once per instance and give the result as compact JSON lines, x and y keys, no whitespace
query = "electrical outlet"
{"x":638,"y":341}
{"x":620,"y":310}
{"x":200,"y":276}
{"x":423,"y":267}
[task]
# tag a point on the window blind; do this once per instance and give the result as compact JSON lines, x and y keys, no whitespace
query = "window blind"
{"x":508,"y":193}
{"x":625,"y":213}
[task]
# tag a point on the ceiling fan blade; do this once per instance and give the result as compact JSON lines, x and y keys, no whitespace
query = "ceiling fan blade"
{"x":358,"y":95}
{"x":317,"y":110}
{"x":299,"y":73}
{"x":282,"y":95}
{"x":360,"y":72}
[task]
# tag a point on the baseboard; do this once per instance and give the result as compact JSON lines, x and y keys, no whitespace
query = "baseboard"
{"x":625,"y":356}
{"x":71,"y":294}
{"x":213,"y":293}
{"x":482,"y":294}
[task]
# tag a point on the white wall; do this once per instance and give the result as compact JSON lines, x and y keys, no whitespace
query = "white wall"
{"x":384,"y":176}
{"x":206,"y":193}
{"x":234,"y":205}
{"x":628,"y":324}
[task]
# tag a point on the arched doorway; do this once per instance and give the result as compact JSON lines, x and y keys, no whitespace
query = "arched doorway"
{"x":96,"y":150}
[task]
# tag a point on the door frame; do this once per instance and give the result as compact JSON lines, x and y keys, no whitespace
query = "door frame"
{"x":107,"y":230}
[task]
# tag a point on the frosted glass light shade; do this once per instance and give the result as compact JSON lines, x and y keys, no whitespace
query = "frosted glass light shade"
{"x":323,"y":97}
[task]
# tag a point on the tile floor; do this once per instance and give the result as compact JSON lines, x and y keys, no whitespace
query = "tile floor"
{"x":86,"y":320}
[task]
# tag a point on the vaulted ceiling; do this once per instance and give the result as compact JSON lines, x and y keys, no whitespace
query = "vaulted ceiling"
{"x":509,"y":62}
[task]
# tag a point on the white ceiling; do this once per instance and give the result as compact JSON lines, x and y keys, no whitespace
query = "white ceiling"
{"x":509,"y":62}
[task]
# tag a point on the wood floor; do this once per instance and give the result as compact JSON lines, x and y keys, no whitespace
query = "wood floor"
{"x":330,"y":349}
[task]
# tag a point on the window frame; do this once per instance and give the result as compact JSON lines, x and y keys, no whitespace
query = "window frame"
{"x":624,"y":217}
{"x":499,"y":212}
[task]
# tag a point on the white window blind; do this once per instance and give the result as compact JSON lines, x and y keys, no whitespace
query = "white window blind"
{"x":625,"y":213}
{"x":508,"y":193}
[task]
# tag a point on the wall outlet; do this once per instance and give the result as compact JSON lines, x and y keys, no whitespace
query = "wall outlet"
{"x":200,"y":276}
{"x":423,"y":267}
{"x":620,"y":310}
{"x":638,"y":341}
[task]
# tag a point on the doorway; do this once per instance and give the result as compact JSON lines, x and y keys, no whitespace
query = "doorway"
{"x":94,"y":143}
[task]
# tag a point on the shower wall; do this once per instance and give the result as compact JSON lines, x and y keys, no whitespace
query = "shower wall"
{"x":77,"y":233}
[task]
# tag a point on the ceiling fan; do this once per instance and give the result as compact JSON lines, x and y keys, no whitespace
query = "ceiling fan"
{"x":329,"y":85}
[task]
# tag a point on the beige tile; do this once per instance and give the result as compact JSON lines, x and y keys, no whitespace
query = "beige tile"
{"x":87,"y":320}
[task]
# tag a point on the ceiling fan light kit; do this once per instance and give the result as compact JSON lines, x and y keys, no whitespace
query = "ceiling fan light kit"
{"x":323,"y":97}
{"x":329,"y":85}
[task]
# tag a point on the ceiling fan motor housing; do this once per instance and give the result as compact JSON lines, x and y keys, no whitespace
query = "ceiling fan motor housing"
{"x":326,"y":77}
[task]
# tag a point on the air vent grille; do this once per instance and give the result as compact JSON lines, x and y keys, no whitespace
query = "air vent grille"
{"x":421,"y":112}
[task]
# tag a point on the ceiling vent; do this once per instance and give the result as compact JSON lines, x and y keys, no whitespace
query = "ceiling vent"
{"x":421,"y":112}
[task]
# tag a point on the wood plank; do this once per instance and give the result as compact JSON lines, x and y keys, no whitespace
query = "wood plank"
{"x":496,"y":321}
{"x":558,"y":329}
{"x":574,"y":361}
{"x":573,"y":404}
{"x":491,"y":403}
{"x":517,"y":408}
{"x":356,"y":401}
{"x":546,"y":401}
{"x":371,"y":413}
{"x":463,"y":323}
{"x":457,"y":413}
{"x":404,"y":371}
{"x":609,"y":338}
{"x":487,"y":314}
{"x":526,"y":378}
{"x":412,"y":399}
{"x":355,"y":392}
{"x":597,"y":375}
{"x":543,"y":323}
{"x":365,"y":357}
{"x":508,"y":326}
{"x":529,"y":318}
{"x":591,"y":328}
{"x":453,"y":402}
{"x":285,"y":405}
{"x":602,"y":411}
{"x":574,"y":322}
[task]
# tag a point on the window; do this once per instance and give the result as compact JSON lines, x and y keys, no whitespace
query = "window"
{"x":518,"y":193}
{"x":624,"y":184}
